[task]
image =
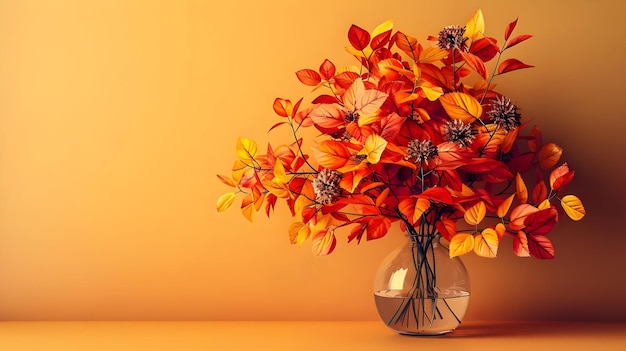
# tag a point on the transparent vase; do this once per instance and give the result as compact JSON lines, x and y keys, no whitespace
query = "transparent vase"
{"x":420,"y":290}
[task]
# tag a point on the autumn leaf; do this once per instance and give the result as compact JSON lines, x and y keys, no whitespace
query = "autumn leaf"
{"x":461,"y":106}
{"x":331,"y":154}
{"x":327,"y":70}
{"x":519,"y":214}
{"x":518,"y":39}
{"x":573,"y":207}
{"x":298,"y":233}
{"x":504,"y":206}
{"x":540,"y":222}
{"x":224,"y":201}
{"x":373,"y":148}
{"x":520,"y":245}
{"x":359,"y":38}
{"x":475,"y":63}
{"x":560,"y":177}
{"x":446,"y":227}
{"x":475,"y":27}
{"x":475,"y":214}
{"x":408,"y":44}
{"x":226,"y":180}
{"x":413,"y":208}
{"x":461,"y":244}
{"x":522,"y":191}
{"x":309,"y":77}
{"x":381,"y":34}
{"x":323,"y":243}
{"x":246,"y":150}
{"x":247,"y":207}
{"x":540,"y":247}
{"x":283,"y":107}
{"x":486,"y":243}
{"x":549,"y":155}
{"x":509,"y":29}
{"x":511,"y":64}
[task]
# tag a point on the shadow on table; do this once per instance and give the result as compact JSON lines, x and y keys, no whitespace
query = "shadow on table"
{"x":507,"y":329}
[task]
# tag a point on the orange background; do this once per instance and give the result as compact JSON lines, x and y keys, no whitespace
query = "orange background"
{"x":116,"y":115}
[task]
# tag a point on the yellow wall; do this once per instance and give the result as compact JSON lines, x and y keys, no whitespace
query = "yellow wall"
{"x":116,"y":115}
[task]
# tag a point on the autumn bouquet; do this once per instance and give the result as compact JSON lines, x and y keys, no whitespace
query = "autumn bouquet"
{"x":414,"y":133}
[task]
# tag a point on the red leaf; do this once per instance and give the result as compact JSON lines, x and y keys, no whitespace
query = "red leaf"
{"x":540,"y":222}
{"x":560,"y":177}
{"x":476,"y":63}
{"x":540,"y":247}
{"x":446,"y":227}
{"x":359,"y":38}
{"x":345,"y":79}
{"x":377,"y":227}
{"x":511,"y":65}
{"x":276,"y":125}
{"x":327,"y":70}
{"x":521,"y":163}
{"x":540,"y":192}
{"x":323,"y":243}
{"x":357,"y":232}
{"x":518,"y":39}
{"x":325,"y":99}
{"x":509,"y":29}
{"x":270,"y":202}
{"x":520,"y":245}
{"x":485,"y":48}
{"x":380,"y":40}
{"x":308,"y":213}
{"x":309,"y":77}
{"x":437,"y":194}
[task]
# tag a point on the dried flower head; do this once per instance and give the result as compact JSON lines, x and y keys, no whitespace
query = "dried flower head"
{"x":459,"y":132}
{"x":504,"y":113}
{"x":326,"y":186}
{"x":421,"y":151}
{"x":451,"y":37}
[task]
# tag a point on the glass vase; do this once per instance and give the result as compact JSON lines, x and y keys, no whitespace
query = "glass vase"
{"x":420,"y":290}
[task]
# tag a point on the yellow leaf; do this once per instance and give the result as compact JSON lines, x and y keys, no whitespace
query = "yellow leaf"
{"x":573,"y":207}
{"x":382,"y":28}
{"x":298,"y":233}
{"x":475,"y":27}
{"x":373,"y":148}
{"x":486,"y":243}
{"x":432,"y":54}
{"x":522,"y":191}
{"x":544,"y":204}
{"x":246,"y":150}
{"x":505,"y":206}
{"x":461,"y":106}
{"x":549,"y":155}
{"x":461,"y":244}
{"x":475,"y":214}
{"x":225,"y":201}
{"x":280,"y":176}
{"x":433,"y":93}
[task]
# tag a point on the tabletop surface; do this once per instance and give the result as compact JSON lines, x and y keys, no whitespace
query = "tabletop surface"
{"x":310,"y":335}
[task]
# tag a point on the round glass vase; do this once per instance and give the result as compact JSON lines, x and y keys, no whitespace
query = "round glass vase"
{"x":420,"y":290}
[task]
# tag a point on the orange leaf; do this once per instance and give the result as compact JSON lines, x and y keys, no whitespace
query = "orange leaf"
{"x":461,"y":106}
{"x":380,"y":199}
{"x":225,"y":201}
{"x":226,"y":180}
{"x":475,"y":214}
{"x":461,"y":244}
{"x":511,"y":64}
{"x":309,"y":77}
{"x":247,"y":207}
{"x":486,"y":243}
{"x":573,"y":207}
{"x":331,"y":154}
{"x":408,"y":44}
{"x":476,"y":63}
{"x":504,"y":207}
{"x":413,"y":208}
{"x":549,"y":155}
{"x":323,"y":243}
{"x":358,"y":37}
{"x":283,"y":107}
{"x":437,"y":194}
{"x":520,"y":186}
{"x":560,"y":177}
{"x":377,"y":227}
